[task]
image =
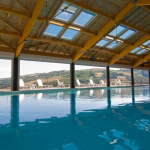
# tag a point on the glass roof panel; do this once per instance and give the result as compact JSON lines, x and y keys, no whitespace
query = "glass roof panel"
{"x":84,"y":18}
{"x":70,"y":34}
{"x":135,"y":50}
{"x":146,"y":43}
{"x":103,"y":42}
{"x":127,"y":34}
{"x":142,"y":51}
{"x":118,"y":30}
{"x":113,"y":44}
{"x":53,"y":30}
{"x":68,"y":13}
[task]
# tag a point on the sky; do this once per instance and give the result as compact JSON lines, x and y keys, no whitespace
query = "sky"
{"x":31,"y":67}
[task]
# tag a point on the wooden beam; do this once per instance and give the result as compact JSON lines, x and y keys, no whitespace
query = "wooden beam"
{"x":62,"y":42}
{"x":13,"y":11}
{"x":64,"y":49}
{"x":141,"y":60}
{"x":92,"y":41}
{"x":22,"y":6}
{"x":47,"y":40}
{"x":128,"y":49}
{"x":37,"y":9}
{"x":66,"y":25}
{"x":9,"y":33}
{"x":23,"y":14}
{"x":89,"y":8}
{"x":51,"y":40}
{"x":2,"y":41}
{"x":143,"y":2}
{"x":147,"y":7}
{"x":9,"y":25}
{"x":27,"y":47}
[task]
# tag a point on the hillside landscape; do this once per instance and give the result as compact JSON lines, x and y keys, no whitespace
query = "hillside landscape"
{"x":83,"y":75}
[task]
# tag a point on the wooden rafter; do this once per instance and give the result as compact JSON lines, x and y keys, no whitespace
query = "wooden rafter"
{"x":143,"y":2}
{"x":19,"y":3}
{"x":37,"y":9}
{"x":92,"y":41}
{"x":129,"y":48}
{"x":9,"y":25}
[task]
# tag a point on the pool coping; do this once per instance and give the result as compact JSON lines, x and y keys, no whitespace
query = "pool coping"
{"x":60,"y":89}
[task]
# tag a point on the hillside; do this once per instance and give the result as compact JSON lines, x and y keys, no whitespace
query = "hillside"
{"x":83,"y":75}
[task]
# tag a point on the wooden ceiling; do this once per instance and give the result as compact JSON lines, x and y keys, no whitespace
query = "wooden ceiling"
{"x":23,"y":22}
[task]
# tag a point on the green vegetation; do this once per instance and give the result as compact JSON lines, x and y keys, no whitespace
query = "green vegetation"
{"x":83,"y":75}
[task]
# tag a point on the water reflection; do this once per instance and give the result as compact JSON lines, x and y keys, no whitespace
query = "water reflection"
{"x":91,"y":120}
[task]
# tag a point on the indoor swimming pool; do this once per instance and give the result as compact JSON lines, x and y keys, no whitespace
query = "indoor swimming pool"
{"x":92,"y":119}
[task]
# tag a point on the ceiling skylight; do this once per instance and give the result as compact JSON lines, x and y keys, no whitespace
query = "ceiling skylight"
{"x":142,"y":51}
{"x":70,"y":34}
{"x":68,"y":13}
{"x":113,"y":44}
{"x":53,"y":30}
{"x":84,"y":18}
{"x":135,"y":50}
{"x":146,"y":43}
{"x":118,"y":30}
{"x":127,"y":34}
{"x":103,"y":42}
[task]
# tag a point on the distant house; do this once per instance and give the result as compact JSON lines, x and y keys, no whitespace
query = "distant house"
{"x":121,"y":77}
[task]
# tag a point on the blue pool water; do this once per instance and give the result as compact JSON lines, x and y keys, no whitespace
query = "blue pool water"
{"x":96,"y":119}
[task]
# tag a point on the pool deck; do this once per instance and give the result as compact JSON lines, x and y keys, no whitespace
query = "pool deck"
{"x":45,"y":90}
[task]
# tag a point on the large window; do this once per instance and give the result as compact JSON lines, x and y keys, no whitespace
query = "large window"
{"x":120,"y":77}
{"x":5,"y":74}
{"x":43,"y":75}
{"x":88,"y":76}
{"x":141,"y":77}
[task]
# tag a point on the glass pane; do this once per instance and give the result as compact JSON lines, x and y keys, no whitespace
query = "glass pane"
{"x":146,"y":43}
{"x":118,"y":30}
{"x":70,"y":34}
{"x":135,"y":50}
{"x":83,"y":18}
{"x":71,"y":9}
{"x":53,"y":30}
{"x":128,"y":34}
{"x":68,"y":13}
{"x":113,"y":44}
{"x":103,"y":42}
{"x":66,"y":16}
{"x":142,"y":51}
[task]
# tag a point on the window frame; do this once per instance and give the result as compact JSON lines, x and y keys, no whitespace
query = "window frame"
{"x":114,"y":46}
{"x":118,"y":35}
{"x":78,"y":9}
{"x":50,"y":35}
{"x":84,"y":10}
{"x":73,"y":37}
{"x":129,"y":35}
{"x":104,"y":44}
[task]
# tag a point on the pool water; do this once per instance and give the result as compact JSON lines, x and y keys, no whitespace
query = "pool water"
{"x":94,"y":119}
